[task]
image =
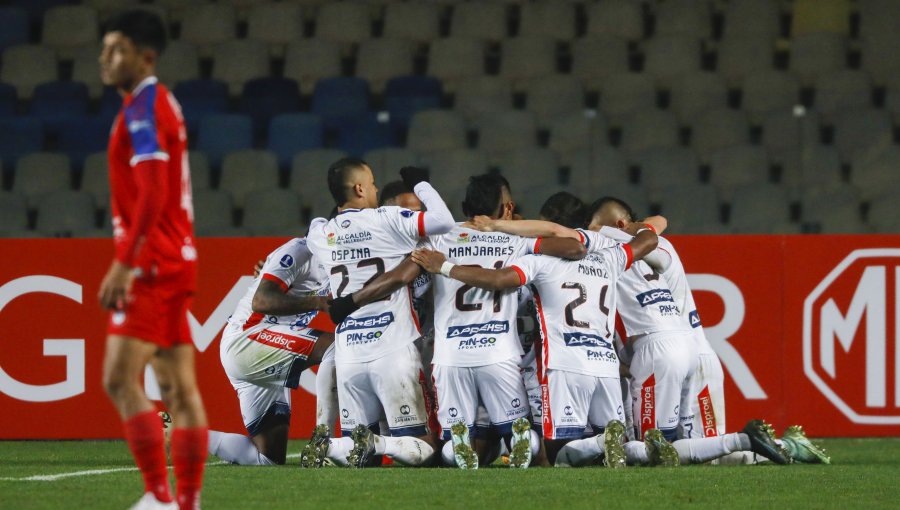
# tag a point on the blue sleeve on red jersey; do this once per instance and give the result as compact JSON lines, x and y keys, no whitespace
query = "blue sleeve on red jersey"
{"x":140,"y":120}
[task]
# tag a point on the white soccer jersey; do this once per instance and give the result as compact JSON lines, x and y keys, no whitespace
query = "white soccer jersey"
{"x":681,"y":292}
{"x":575,"y":303}
{"x":475,"y":327}
{"x":645,"y":302}
{"x":294,"y":268}
{"x":355,"y":247}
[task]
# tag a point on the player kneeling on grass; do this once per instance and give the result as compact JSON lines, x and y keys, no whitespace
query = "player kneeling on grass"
{"x":274,"y":334}
{"x":378,"y":368}
{"x":579,"y":367}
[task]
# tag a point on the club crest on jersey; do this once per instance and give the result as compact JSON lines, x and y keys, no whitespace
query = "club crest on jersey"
{"x":345,"y":223}
{"x":286,"y":261}
{"x":406,"y":213}
{"x":585,"y":340}
{"x":694,"y":317}
{"x":374,"y":321}
{"x":463,"y":238}
{"x":331,"y":239}
{"x":655,"y":296}
{"x":302,"y":321}
{"x":478,"y":329}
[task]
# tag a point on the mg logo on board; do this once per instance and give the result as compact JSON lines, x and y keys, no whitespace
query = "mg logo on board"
{"x":851,"y":338}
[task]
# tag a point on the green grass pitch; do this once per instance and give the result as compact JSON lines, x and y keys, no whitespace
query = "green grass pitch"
{"x":864,"y":474}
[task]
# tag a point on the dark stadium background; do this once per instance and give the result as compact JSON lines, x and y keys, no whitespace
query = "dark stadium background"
{"x":741,"y":116}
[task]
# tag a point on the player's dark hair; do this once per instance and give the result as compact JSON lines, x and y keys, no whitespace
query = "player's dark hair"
{"x":337,"y":177}
{"x":145,"y":28}
{"x":565,"y":209}
{"x":392,"y":190}
{"x":483,"y":195}
{"x":598,"y":204}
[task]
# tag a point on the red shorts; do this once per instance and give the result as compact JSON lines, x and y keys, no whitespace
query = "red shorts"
{"x":156,"y":312}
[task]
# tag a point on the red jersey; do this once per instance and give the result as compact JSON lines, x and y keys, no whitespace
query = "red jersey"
{"x":150,"y":185}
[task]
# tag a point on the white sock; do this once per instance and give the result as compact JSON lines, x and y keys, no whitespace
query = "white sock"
{"x":581,"y":452}
{"x":534,"y":440}
{"x":636,"y":453}
{"x":405,"y":450}
{"x":326,"y":396}
{"x":704,"y":449}
{"x":237,"y":449}
{"x":339,"y":449}
{"x":447,"y":454}
{"x":739,"y":458}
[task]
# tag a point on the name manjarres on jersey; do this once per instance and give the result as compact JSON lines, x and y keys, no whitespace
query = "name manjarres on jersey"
{"x":479,"y":251}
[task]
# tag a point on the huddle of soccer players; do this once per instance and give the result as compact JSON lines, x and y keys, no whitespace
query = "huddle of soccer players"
{"x":345,"y":297}
{"x":486,"y":273}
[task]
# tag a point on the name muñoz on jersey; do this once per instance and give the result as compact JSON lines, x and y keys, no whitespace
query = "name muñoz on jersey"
{"x":151,"y":127}
{"x":476,"y":327}
{"x":576,"y":308}
{"x":355,"y":247}
{"x":294,"y":268}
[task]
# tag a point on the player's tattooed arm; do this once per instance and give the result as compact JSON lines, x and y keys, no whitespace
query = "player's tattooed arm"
{"x":488,"y":279}
{"x":524,"y":228}
{"x":380,"y":288}
{"x":271,"y":299}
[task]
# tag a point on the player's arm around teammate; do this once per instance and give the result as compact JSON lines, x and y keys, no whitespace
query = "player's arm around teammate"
{"x":645,"y":241}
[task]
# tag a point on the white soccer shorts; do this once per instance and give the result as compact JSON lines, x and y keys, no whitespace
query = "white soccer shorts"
{"x":263,"y":363}
{"x":706,"y":402}
{"x":392,"y":387}
{"x":499,"y":387}
{"x":661,"y":371}
{"x":573,"y":401}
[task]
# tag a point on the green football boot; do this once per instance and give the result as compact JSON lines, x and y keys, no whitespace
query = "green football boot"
{"x":659,"y":451}
{"x":801,"y":449}
{"x":614,"y":441}
{"x":313,"y":454}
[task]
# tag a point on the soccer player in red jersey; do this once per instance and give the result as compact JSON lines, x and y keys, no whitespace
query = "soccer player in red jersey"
{"x":150,"y":282}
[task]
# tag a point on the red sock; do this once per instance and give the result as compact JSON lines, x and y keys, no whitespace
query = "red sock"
{"x":189,"y":447}
{"x":144,"y":434}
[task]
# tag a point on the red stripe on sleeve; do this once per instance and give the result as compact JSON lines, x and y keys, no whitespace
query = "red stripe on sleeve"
{"x":651,"y":227}
{"x":521,"y":274}
{"x":421,"y":224}
{"x":582,"y":237}
{"x":537,"y":245}
{"x":273,"y":278}
{"x":629,"y":256}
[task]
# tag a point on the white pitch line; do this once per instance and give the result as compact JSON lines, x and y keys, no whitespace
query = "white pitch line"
{"x":89,"y":472}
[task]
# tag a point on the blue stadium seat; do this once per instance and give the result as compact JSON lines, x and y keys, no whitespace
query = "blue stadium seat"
{"x":36,"y":8}
{"x":21,"y":135}
{"x":290,"y":133}
{"x":79,"y":137}
{"x":13,"y":27}
{"x":264,"y":98}
{"x":222,"y":133}
{"x":110,"y":103}
{"x":360,"y":135}
{"x":7,"y":100}
{"x":58,"y":101}
{"x":341,"y":98}
{"x":200,"y":98}
{"x":406,"y":95}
